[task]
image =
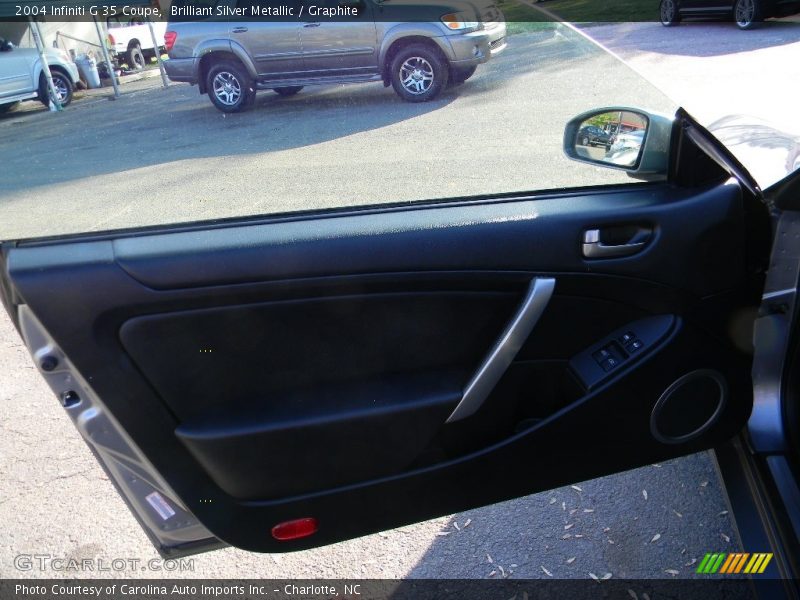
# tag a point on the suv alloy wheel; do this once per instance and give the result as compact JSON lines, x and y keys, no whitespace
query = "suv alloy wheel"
{"x":230,"y":87}
{"x":419,"y":73}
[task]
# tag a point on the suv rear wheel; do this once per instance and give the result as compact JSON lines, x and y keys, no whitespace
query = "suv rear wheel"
{"x":230,"y":87}
{"x":419,"y":73}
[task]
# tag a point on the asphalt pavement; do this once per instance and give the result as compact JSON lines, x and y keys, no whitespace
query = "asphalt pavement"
{"x":104,"y":164}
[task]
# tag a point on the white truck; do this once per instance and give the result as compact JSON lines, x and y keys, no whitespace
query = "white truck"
{"x":131,"y":41}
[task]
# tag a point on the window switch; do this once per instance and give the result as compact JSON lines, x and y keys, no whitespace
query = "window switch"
{"x":627,"y":338}
{"x":601,"y":355}
{"x":609,"y":364}
{"x":634,"y":346}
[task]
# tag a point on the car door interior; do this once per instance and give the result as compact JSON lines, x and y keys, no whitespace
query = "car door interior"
{"x":373,"y":367}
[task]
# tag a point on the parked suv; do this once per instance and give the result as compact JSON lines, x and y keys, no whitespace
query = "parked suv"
{"x":592,"y":135}
{"x":21,"y":76}
{"x":231,"y":60}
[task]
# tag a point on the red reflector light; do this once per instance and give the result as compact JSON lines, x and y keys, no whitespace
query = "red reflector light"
{"x":169,"y":40}
{"x":294,"y":530}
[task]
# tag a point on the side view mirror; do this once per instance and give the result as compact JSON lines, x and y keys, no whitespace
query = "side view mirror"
{"x":6,"y":46}
{"x":621,"y":138}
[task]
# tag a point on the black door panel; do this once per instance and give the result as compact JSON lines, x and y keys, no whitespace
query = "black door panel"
{"x":305,"y":366}
{"x":542,"y":235}
{"x":243,"y":357}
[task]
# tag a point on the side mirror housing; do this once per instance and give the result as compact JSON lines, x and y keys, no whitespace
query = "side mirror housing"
{"x":628,"y":139}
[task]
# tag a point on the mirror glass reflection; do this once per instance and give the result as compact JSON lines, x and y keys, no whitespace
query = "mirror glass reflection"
{"x":614,"y":137}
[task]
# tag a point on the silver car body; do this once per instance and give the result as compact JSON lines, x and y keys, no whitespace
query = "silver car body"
{"x":20,"y":69}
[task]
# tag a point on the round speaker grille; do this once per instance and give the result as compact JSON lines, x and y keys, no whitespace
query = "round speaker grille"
{"x":689,"y":407}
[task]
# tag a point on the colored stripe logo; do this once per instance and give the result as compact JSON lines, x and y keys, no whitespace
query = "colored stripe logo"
{"x":737,"y":562}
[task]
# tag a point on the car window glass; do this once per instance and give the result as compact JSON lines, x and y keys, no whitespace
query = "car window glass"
{"x":162,"y":156}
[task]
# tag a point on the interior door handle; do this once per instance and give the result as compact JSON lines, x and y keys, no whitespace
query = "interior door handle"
{"x":594,"y":248}
{"x":239,"y":29}
{"x":505,"y":349}
{"x":314,"y":24}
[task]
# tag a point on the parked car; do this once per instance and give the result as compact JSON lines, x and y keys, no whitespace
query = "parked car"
{"x":231,"y":60}
{"x":22,"y":78}
{"x":132,"y":42}
{"x":592,"y":135}
{"x":745,"y":13}
{"x":628,"y":139}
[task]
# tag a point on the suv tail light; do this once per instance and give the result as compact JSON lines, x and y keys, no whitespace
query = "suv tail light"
{"x":111,"y":40}
{"x":169,"y":40}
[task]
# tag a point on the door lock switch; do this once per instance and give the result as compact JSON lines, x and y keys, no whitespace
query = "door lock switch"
{"x":609,"y":363}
